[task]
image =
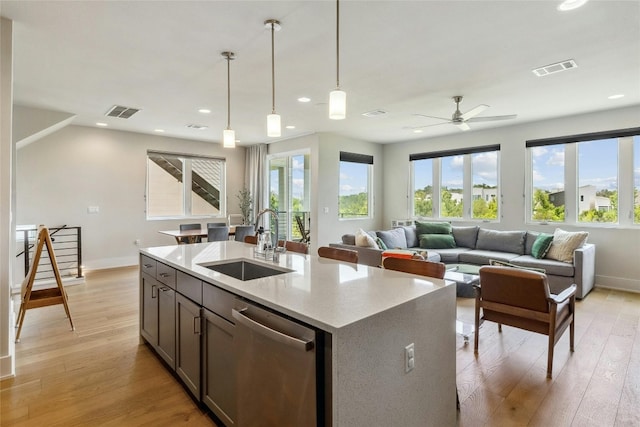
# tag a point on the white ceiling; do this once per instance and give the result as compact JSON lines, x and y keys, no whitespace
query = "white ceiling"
{"x":403,"y":57}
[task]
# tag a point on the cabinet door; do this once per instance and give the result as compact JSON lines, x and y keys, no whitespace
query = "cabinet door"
{"x":188,"y":328}
{"x":167,"y":325}
{"x":149,"y":309}
{"x":219,"y":368}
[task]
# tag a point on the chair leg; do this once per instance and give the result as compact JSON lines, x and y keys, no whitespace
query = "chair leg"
{"x":476,"y":327}
{"x":571,"y":334}
{"x":550,"y":355}
{"x":500,"y":327}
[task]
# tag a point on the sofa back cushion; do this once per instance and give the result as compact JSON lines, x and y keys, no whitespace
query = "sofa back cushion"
{"x":349,"y":239}
{"x":501,"y":241}
{"x":394,"y":238}
{"x":433,"y":228}
{"x":411,"y":235}
{"x":529,"y":240}
{"x":465,"y":237}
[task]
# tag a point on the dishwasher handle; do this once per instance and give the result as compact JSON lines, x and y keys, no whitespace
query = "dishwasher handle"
{"x":304,"y":345}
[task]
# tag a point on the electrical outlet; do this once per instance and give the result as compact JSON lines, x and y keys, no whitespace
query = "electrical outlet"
{"x":136,"y":242}
{"x":409,"y":358}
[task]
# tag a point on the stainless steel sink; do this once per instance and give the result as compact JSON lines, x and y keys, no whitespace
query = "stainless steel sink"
{"x":245,"y":270}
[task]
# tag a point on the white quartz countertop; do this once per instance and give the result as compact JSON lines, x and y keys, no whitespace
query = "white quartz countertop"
{"x":322,"y":292}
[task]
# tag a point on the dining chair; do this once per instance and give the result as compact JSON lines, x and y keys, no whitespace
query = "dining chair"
{"x":521,"y":298}
{"x":216,"y":224}
{"x":196,"y":239}
{"x":304,"y":232}
{"x":217,"y":234}
{"x":242,"y":231}
{"x":298,"y":247}
{"x":252,"y":239}
{"x":415,"y":266}
{"x":339,"y":254}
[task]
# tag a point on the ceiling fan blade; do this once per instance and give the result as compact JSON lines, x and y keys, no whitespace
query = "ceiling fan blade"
{"x":474,"y":111}
{"x":433,"y":117}
{"x":491,"y":118}
{"x":462,"y":126}
{"x":425,"y":126}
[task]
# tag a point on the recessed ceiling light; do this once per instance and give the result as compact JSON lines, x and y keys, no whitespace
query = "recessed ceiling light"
{"x":571,"y":4}
{"x":158,"y":130}
{"x":617,"y":96}
{"x":101,"y":124}
{"x":417,"y":131}
{"x":304,"y":99}
{"x":204,"y":111}
{"x":290,"y":127}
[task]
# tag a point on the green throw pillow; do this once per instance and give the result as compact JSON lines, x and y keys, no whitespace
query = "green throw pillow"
{"x":432,"y":228}
{"x":384,"y":247}
{"x":437,"y":241}
{"x":541,"y":245}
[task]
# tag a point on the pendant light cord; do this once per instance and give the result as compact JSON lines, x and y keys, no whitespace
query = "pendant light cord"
{"x":338,"y":44}
{"x":273,"y":72}
{"x":228,"y":91}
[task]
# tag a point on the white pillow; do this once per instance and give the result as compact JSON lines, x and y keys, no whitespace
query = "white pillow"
{"x":365,"y":240}
{"x":564,"y":243}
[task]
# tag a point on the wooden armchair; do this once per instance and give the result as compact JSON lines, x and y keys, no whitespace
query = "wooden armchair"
{"x":339,"y":254}
{"x":415,"y":266}
{"x":298,"y":247}
{"x":521,"y":299}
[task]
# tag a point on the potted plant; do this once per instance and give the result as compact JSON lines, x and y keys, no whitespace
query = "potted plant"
{"x":245,"y":203}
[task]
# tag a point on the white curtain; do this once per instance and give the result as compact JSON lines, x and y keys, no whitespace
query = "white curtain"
{"x":255,"y":175}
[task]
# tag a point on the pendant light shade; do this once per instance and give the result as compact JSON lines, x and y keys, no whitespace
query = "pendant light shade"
{"x":228,"y":135}
{"x":273,"y":119}
{"x":337,"y":97}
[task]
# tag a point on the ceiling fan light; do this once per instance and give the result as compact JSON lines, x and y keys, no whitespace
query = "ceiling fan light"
{"x":273,"y":125}
{"x":228,"y":138}
{"x":337,"y":104}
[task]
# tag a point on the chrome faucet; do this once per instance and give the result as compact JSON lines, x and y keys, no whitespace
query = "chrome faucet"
{"x":275,"y":215}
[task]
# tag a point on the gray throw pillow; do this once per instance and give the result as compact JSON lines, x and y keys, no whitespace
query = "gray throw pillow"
{"x":394,"y":239}
{"x":501,"y":241}
{"x":465,"y":237}
{"x":411,"y":235}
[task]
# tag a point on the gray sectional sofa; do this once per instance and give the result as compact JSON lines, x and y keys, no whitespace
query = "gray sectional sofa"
{"x":475,"y":245}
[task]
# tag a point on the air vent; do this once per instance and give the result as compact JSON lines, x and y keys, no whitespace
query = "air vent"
{"x":121,"y":112}
{"x":555,"y":68}
{"x":374,"y":113}
{"x":198,"y":127}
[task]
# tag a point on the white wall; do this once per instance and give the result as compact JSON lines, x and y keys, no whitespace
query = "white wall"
{"x":7,"y":200}
{"x":325,"y":178}
{"x":617,"y":249}
{"x":61,"y":175}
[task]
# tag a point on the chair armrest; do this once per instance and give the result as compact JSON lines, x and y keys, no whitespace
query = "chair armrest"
{"x":564,"y":295}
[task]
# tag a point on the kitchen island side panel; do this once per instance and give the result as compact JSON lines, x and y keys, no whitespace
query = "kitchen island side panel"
{"x":370,"y":385}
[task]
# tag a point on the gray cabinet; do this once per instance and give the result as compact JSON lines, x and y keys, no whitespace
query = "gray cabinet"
{"x":219,"y":367}
{"x":166,"y":346}
{"x":188,"y":331}
{"x":149,"y":308}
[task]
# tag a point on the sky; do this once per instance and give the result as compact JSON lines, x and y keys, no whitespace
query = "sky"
{"x":484,"y":167}
{"x":353,"y":178}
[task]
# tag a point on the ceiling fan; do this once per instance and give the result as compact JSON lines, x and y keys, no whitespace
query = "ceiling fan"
{"x":461,"y":119}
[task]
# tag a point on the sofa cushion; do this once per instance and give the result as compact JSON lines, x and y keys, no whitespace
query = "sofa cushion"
{"x":482,"y":257}
{"x":564,"y":243}
{"x":393,"y":239}
{"x":450,"y":256}
{"x":501,"y":241}
{"x":411,"y":236}
{"x":437,"y":241}
{"x":529,"y":240}
{"x":349,"y":239}
{"x":365,"y":240}
{"x":465,"y":236}
{"x":432,"y":228}
{"x":508,"y":264}
{"x":551,"y":267}
{"x":541,"y":245}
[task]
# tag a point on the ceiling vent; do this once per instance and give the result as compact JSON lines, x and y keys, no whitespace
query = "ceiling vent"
{"x":121,"y":112}
{"x":198,"y":127}
{"x":555,"y":68}
{"x":374,"y":113}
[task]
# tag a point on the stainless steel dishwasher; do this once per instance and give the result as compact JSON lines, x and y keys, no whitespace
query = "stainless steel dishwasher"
{"x":276,"y":367}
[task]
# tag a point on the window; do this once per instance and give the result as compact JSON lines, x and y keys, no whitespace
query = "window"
{"x":183,"y":186}
{"x":445,"y":182}
{"x":547,"y":164}
{"x":588,"y":178}
{"x":355,"y":185}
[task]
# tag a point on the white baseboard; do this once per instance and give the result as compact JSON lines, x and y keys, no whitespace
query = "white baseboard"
{"x":49,"y":283}
{"x":618,"y":283}
{"x":104,"y":263}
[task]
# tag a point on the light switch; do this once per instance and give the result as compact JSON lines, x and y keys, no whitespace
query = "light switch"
{"x":93,"y":209}
{"x":326,"y":210}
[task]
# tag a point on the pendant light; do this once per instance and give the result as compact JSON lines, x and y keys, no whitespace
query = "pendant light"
{"x":337,"y":97}
{"x":228,"y":135}
{"x":273,"y":119}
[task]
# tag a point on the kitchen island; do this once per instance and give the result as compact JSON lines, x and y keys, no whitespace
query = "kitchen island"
{"x":369,"y":316}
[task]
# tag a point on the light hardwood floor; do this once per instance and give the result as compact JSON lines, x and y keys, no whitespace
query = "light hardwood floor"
{"x":101,"y":375}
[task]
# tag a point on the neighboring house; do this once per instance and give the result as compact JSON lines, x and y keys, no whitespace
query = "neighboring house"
{"x":486,"y":194}
{"x":587,"y":199}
